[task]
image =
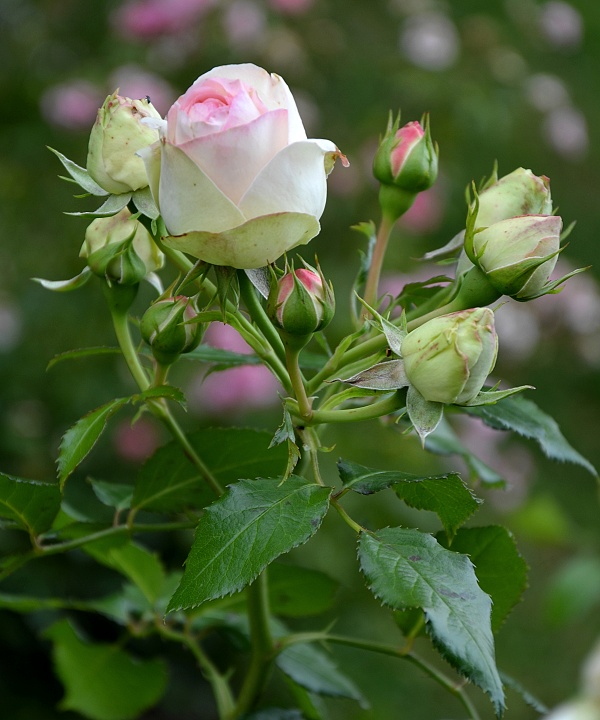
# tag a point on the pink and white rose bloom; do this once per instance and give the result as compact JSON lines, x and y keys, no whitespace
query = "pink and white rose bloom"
{"x":235,"y":177}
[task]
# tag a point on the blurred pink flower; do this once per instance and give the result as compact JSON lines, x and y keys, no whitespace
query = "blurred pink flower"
{"x":136,"y":442}
{"x":135,"y":82}
{"x":72,"y":104}
{"x":430,"y":40}
{"x":426,"y":213}
{"x":235,"y":389}
{"x":245,"y":23}
{"x":144,"y":19}
{"x":293,"y":7}
{"x":565,"y":129}
{"x":562,"y":24}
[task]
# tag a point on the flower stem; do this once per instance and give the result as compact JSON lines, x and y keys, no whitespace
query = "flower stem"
{"x":387,"y":405}
{"x":257,"y":596}
{"x":381,"y":243}
{"x":292,"y":356}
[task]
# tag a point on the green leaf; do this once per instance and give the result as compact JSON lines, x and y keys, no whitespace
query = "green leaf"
{"x":79,"y":439}
{"x":169,"y":482}
{"x":275,"y":714}
{"x":66,"y":285}
{"x":102,"y":682}
{"x":444,"y":441}
{"x":446,"y":495}
{"x":139,"y":565}
{"x":525,"y":418}
{"x":286,"y":433}
{"x":530,"y":699}
{"x":115,"y":495}
{"x":223,"y":358}
{"x":500,"y":568}
{"x":298,"y":592}
{"x":408,"y":568}
{"x":255,"y":522}
{"x":161,"y":391}
{"x":312,"y":669}
{"x":82,"y":353}
{"x":31,"y":504}
{"x":80,"y":175}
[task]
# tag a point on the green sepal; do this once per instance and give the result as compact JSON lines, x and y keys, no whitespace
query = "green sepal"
{"x":80,"y":175}
{"x":66,"y":285}
{"x":425,"y":415}
{"x":111,"y":206}
{"x":490,"y":397}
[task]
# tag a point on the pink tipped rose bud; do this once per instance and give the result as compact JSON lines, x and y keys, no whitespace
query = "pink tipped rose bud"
{"x":168,"y":328}
{"x":301,"y":302}
{"x":119,"y":248}
{"x":117,"y":135}
{"x":448,"y":359}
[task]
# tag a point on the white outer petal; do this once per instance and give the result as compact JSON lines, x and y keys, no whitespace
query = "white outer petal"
{"x":151,"y":157}
{"x":189,"y":200}
{"x":294,"y":181}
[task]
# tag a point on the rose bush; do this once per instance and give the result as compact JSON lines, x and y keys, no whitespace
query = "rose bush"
{"x":235,"y":177}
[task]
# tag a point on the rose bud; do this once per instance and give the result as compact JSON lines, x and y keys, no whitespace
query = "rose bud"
{"x":117,"y":135}
{"x":119,"y":248}
{"x":235,"y":177}
{"x":167,"y":329}
{"x":448,"y":359}
{"x":301,"y":302}
{"x":406,"y":163}
{"x":518,"y":193}
{"x":517,"y":255}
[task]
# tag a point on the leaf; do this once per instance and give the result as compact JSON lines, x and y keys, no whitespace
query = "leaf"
{"x":530,"y":699}
{"x":79,"y":439}
{"x":286,"y":433}
{"x":275,"y":714}
{"x":500,"y":568}
{"x":111,"y":206}
{"x":526,"y":419}
{"x":80,"y":175}
{"x":424,"y":414}
{"x":388,"y":375}
{"x":66,"y":285}
{"x":161,"y":391}
{"x":102,"y":682}
{"x":223,"y":358}
{"x":299,"y":592}
{"x":31,"y":504}
{"x":116,"y":495}
{"x":82,"y":353}
{"x":444,"y":441}
{"x":408,"y":568}
{"x":170,"y":482}
{"x":312,"y":669}
{"x":255,"y":522}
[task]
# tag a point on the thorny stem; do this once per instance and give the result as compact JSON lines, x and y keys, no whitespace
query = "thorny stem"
{"x":455,"y":689}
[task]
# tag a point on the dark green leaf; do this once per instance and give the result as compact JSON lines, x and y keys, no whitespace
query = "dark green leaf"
{"x":297,"y":592}
{"x":275,"y":714}
{"x":102,"y":682}
{"x":255,"y":522}
{"x":79,"y":439}
{"x":500,"y":569}
{"x":446,"y":495}
{"x":525,"y":418}
{"x":311,"y":705}
{"x":408,"y":568}
{"x":115,"y":495}
{"x":161,"y":391}
{"x":223,"y":358}
{"x":31,"y":504}
{"x":312,"y":669}
{"x":169,"y":482}
{"x":82,"y":353}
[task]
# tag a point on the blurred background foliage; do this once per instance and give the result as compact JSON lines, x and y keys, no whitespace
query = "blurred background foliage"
{"x":515,"y":81}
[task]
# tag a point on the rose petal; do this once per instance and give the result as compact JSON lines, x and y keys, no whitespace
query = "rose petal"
{"x":234,"y":157}
{"x":273,"y":91}
{"x":294,"y":181}
{"x":189,"y":200}
{"x":254,"y":244}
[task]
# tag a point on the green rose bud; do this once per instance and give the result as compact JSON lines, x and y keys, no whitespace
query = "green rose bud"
{"x":518,"y":193}
{"x":167,"y":329}
{"x":517,"y":255}
{"x":119,"y":248}
{"x":117,"y":135}
{"x":301,"y":302}
{"x":448,"y":359}
{"x":406,"y":163}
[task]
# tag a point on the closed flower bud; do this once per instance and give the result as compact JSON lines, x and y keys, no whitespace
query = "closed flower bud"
{"x":167,"y":329}
{"x":301,"y":302}
{"x":517,"y":255}
{"x":119,"y":248}
{"x":448,"y":359}
{"x":117,"y":135}
{"x":518,"y":193}
{"x":406,"y":163}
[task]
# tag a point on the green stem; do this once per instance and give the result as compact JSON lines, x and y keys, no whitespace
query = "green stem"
{"x":257,"y":596}
{"x":385,"y":406}
{"x":372,"y":284}
{"x":442,"y":679}
{"x":292,"y":356}
{"x":220,"y":686}
{"x":121,"y":326}
{"x":258,"y":314}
